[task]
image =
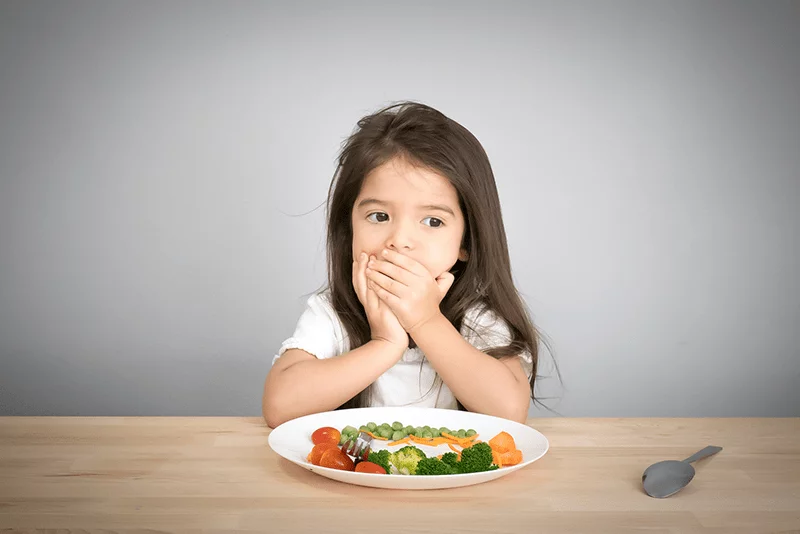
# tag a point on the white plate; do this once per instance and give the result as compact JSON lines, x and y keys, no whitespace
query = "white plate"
{"x":292,"y":440}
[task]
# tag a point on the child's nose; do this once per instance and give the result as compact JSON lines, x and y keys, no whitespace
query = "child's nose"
{"x":401,"y":237}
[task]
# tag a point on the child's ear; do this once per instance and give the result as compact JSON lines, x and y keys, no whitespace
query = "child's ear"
{"x":463,"y":255}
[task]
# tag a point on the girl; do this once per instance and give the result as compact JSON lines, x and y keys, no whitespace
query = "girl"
{"x":420,"y":308}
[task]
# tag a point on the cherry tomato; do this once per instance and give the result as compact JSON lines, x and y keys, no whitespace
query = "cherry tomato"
{"x":369,"y":467}
{"x":336,"y":459}
{"x":316,"y":453}
{"x":326,"y":434}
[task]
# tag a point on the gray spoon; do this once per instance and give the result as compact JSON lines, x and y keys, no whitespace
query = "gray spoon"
{"x":663,"y":479}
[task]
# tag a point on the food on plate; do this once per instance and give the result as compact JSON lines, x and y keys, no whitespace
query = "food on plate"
{"x":467,"y":454}
{"x":397,"y":432}
{"x":404,"y":461}
{"x":326,"y":434}
{"x":381,"y":458}
{"x":334,"y":458}
{"x":369,"y":467}
{"x":316,"y":453}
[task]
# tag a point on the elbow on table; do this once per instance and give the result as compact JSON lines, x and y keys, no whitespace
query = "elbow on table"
{"x":518,"y":410}
{"x":274,"y":414}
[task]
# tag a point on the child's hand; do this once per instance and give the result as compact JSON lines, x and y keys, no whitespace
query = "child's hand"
{"x":408,"y":288}
{"x":383,"y":323}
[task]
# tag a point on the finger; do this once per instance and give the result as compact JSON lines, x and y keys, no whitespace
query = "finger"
{"x":372,"y":300}
{"x":359,"y":283}
{"x":405,"y":262}
{"x":445,"y":282}
{"x":386,"y":297}
{"x":394,"y":272}
{"x":364,"y":258}
{"x":381,"y":280}
{"x":356,"y":281}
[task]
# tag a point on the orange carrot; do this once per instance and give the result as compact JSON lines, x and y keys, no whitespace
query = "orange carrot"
{"x":460,"y":441}
{"x":399,"y":441}
{"x":511,"y":457}
{"x":496,"y":460}
{"x":503,"y":442}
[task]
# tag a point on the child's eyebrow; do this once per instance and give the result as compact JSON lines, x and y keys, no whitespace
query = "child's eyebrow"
{"x":427,"y":207}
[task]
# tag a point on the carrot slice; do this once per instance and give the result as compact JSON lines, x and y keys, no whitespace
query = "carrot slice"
{"x":496,"y":460}
{"x":502,"y":442}
{"x":464,"y":442}
{"x":375,"y":435}
{"x":511,"y":457}
{"x":399,"y":441}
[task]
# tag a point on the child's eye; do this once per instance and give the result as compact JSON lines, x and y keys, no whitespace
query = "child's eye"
{"x":379,"y":216}
{"x":435,"y":223}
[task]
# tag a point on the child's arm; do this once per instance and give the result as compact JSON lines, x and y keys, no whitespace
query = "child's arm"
{"x":300,"y":384}
{"x":480,"y":382}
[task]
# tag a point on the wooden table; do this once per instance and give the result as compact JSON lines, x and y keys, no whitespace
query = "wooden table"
{"x":178,"y":474}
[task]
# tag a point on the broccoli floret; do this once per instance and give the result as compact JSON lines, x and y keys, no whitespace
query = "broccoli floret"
{"x":434,"y":466}
{"x":406,"y":459}
{"x":476,"y":459}
{"x":381,"y":458}
{"x":450,"y":458}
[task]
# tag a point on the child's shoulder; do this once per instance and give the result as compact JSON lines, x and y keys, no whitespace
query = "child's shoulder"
{"x":321,"y":303}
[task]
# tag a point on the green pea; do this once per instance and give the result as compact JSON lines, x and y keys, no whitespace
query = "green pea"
{"x":471,"y":432}
{"x":427,"y":434}
{"x":372,"y":426}
{"x":397,"y":425}
{"x":435,"y":432}
{"x":462,"y":433}
{"x":398,"y":434}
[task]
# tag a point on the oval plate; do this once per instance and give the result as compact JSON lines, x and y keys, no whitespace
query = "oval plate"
{"x":292,"y":440}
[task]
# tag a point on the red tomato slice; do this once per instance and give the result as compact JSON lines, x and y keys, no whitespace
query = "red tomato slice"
{"x":336,"y":459}
{"x":316,"y":453}
{"x":326,"y":434}
{"x":369,"y":467}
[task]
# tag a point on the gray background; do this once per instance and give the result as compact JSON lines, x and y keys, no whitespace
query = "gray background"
{"x":162,"y":167}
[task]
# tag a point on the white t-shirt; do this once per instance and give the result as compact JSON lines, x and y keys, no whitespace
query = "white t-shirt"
{"x":410,"y":381}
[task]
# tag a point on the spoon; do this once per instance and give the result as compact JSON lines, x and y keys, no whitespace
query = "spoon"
{"x":663,"y":479}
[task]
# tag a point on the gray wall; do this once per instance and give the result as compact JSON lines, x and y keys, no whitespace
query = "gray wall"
{"x":155,"y":159}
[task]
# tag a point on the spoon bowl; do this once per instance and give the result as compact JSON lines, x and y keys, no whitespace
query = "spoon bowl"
{"x":668,"y":477}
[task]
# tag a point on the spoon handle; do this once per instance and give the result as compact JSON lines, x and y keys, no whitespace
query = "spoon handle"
{"x":699,"y":455}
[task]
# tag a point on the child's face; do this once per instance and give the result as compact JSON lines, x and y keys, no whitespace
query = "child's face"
{"x":411,"y":210}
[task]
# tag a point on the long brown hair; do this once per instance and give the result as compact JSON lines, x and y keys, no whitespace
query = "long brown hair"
{"x":426,"y":137}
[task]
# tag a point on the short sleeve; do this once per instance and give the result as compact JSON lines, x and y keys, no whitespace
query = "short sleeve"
{"x":318,"y":331}
{"x":484,"y":330}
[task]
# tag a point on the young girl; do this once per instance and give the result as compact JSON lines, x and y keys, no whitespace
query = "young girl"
{"x":420,"y":308}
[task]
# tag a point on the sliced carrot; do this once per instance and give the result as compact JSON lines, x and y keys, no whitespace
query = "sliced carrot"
{"x":496,"y":460}
{"x":399,"y":441}
{"x":502,"y":442}
{"x":374,"y":435}
{"x":511,"y":457}
{"x":453,"y":448}
{"x":464,"y":442}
